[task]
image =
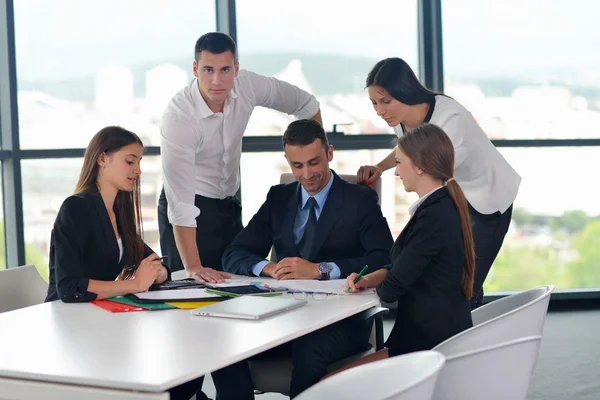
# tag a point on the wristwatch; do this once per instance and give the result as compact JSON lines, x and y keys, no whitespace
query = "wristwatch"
{"x":325,"y":270}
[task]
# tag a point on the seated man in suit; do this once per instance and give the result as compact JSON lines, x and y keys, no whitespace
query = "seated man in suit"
{"x":321,"y":227}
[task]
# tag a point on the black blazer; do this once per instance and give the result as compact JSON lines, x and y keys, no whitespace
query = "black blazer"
{"x":425,"y":278}
{"x":83,"y":246}
{"x":351,"y":230}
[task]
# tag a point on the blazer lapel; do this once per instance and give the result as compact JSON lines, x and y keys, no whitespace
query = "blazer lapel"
{"x":287,"y":227}
{"x":107,"y":229}
{"x":330,"y":214}
{"x":399,"y":243}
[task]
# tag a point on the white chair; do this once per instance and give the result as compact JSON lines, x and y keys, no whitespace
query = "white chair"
{"x":406,"y":377}
{"x":534,"y":301}
{"x":513,"y":317}
{"x":21,"y":287}
{"x":499,"y":372}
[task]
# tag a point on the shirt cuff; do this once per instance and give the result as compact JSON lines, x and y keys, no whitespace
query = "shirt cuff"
{"x":335,"y":272}
{"x":183,"y":214}
{"x":257,"y":269}
{"x":309,"y":110}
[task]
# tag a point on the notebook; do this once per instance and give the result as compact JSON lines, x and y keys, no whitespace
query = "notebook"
{"x":249,"y":307}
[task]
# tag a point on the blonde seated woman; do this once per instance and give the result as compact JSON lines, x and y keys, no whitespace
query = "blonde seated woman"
{"x":433,"y":259}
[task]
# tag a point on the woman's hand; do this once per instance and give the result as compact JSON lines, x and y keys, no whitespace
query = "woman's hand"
{"x":148,"y":272}
{"x":352,"y":287}
{"x":368,"y":174}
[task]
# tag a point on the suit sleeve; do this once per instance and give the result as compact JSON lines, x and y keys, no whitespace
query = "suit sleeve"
{"x":422,"y":244}
{"x":374,"y":235}
{"x":148,"y":251}
{"x":70,"y":233}
{"x":252,"y":244}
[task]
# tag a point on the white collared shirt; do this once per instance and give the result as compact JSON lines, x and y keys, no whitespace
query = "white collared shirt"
{"x":201,"y":150}
{"x":489,"y":182}
{"x":413,"y":208}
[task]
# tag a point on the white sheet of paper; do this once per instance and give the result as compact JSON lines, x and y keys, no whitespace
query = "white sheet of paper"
{"x":178,"y":294}
{"x":334,"y":286}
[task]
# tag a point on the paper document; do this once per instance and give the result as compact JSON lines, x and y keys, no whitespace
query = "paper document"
{"x":173,"y":295}
{"x":335,"y":286}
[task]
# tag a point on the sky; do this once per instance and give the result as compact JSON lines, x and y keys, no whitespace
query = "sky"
{"x":67,"y":38}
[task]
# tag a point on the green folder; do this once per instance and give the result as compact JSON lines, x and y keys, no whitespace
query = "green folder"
{"x":148,"y":306}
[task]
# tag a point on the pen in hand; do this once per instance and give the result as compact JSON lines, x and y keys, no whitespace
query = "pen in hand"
{"x":360,"y":275}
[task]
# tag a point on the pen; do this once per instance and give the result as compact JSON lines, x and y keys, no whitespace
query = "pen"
{"x":361,"y":273}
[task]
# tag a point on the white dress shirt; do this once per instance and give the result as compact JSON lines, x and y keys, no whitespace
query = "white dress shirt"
{"x":201,"y":150}
{"x":489,"y":182}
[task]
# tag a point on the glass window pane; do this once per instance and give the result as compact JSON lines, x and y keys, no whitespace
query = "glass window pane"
{"x":84,"y":65}
{"x":327,"y":52}
{"x":2,"y":241}
{"x":531,"y":74}
{"x":42,"y":201}
{"x":554,"y":237}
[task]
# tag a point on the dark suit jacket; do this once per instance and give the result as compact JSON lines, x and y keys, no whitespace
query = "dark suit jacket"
{"x":425,"y":278}
{"x":351,"y":230}
{"x":83,"y":246}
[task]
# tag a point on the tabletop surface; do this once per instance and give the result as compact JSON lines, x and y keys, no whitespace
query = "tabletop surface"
{"x":149,"y":350}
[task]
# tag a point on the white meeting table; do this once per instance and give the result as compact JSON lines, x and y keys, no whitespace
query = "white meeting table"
{"x":61,"y":351}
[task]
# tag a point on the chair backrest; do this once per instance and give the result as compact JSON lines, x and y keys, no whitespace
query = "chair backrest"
{"x":21,"y":287}
{"x":523,"y":315}
{"x":407,"y":377}
{"x":513,"y":304}
{"x":497,"y":372}
{"x":376,"y":185}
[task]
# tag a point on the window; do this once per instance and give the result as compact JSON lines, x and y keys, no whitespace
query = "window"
{"x":533,"y":74}
{"x":315,"y":46}
{"x":2,"y":238}
{"x":42,"y":201}
{"x":85,"y":65}
{"x":554,"y":237}
{"x":526,"y":74}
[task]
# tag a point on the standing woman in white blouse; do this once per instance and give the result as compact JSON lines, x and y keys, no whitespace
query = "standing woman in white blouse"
{"x":489,"y":182}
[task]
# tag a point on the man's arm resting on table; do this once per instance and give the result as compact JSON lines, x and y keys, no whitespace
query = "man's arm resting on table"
{"x":185,"y":239}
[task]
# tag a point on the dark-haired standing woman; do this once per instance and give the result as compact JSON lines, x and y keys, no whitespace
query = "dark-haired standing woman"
{"x":98,"y":233}
{"x":489,"y":182}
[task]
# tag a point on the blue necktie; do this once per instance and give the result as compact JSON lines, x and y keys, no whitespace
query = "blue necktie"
{"x":308,"y":238}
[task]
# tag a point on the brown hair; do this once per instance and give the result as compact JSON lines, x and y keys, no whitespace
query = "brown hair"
{"x":127,"y":204}
{"x":431,"y":150}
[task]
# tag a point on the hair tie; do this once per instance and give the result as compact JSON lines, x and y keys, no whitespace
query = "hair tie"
{"x":450,"y":180}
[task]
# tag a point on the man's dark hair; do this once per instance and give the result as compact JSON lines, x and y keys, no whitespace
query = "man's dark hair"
{"x":303,"y":132}
{"x":216,"y":43}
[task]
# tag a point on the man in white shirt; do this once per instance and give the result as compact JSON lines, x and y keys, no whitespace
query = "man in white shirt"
{"x":201,"y":143}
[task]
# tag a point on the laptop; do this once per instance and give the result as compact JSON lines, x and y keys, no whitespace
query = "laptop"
{"x":249,"y":307}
